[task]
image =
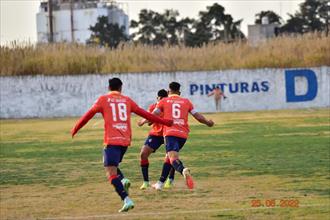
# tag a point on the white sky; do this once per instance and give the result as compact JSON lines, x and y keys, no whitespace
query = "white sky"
{"x":18,"y":17}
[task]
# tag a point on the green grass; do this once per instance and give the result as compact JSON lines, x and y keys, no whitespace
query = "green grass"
{"x":249,"y":155}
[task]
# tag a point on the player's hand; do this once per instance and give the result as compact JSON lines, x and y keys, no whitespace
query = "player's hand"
{"x":140,"y":123}
{"x":210,"y":123}
{"x":73,"y":132}
{"x":168,"y":122}
{"x":224,"y":97}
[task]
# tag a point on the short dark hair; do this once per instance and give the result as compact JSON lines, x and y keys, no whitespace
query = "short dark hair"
{"x":162,"y":93}
{"x":115,"y":84}
{"x":175,"y":86}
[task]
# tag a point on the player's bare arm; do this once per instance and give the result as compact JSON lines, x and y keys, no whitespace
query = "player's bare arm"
{"x":200,"y":118}
{"x":142,"y":122}
{"x":210,"y":94}
{"x":153,"y":118}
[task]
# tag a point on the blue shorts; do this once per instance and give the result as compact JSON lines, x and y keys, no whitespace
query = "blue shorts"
{"x":154,"y":142}
{"x":174,"y":143}
{"x":113,"y":155}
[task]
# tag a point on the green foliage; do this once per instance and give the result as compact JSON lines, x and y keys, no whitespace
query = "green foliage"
{"x":107,"y":34}
{"x":272,"y":17}
{"x":313,"y":15}
{"x":159,"y":29}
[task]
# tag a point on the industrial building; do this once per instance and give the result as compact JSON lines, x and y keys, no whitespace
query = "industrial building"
{"x":259,"y":33}
{"x":70,"y":20}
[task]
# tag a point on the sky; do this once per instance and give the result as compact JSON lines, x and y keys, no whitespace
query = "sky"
{"x":18,"y":17}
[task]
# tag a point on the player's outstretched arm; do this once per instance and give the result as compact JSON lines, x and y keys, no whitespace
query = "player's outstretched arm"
{"x":82,"y":121}
{"x":142,"y":122}
{"x":153,"y":118}
{"x":199,"y":117}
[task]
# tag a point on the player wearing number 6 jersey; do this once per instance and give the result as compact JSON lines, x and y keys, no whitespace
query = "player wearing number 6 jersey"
{"x":154,"y":140}
{"x":116,"y":111}
{"x":177,"y":108}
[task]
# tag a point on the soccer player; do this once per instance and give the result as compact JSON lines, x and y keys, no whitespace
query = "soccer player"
{"x":177,"y":108}
{"x":116,"y":111}
{"x":152,"y":143}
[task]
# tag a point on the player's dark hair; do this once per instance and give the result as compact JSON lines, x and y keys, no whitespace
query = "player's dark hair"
{"x":162,"y":93}
{"x":175,"y":87}
{"x":115,"y":84}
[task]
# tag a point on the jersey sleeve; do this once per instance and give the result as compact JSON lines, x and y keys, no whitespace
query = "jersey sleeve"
{"x":151,"y":108}
{"x":97,"y":106}
{"x":133,"y":104}
{"x":191,"y":108}
{"x":160,"y":105}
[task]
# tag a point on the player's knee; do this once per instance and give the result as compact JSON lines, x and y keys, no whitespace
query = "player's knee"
{"x":111,"y":171}
{"x":167,"y":160}
{"x":144,"y":154}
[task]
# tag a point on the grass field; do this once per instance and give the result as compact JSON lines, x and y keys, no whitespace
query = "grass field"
{"x":273,"y":155}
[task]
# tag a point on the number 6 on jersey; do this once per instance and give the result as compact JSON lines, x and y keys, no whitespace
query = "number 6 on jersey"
{"x":176,"y":112}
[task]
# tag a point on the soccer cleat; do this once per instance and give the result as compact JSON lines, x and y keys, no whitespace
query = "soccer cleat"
{"x":128,"y":204}
{"x":187,"y":176}
{"x":126,"y":183}
{"x":168,"y":184}
{"x":158,"y":185}
{"x":145,"y":185}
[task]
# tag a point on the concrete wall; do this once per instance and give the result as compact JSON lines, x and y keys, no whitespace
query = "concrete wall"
{"x":247,"y":90}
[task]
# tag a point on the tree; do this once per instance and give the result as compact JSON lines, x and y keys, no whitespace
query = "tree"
{"x":157,"y":29}
{"x":148,"y":28}
{"x":213,"y":25}
{"x":107,"y":34}
{"x":272,"y":17}
{"x":222,"y":26}
{"x":200,"y":34}
{"x":313,"y":15}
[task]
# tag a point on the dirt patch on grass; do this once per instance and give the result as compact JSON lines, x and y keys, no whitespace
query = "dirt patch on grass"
{"x":38,"y":201}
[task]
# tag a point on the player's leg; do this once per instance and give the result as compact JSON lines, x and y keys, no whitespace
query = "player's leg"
{"x":120,"y":174}
{"x":217,"y":107}
{"x":126,"y":183}
{"x":112,"y":156}
{"x":169,"y":182}
{"x":144,"y":163}
{"x":151,"y":145}
{"x":174,"y":146}
{"x":165,"y":172}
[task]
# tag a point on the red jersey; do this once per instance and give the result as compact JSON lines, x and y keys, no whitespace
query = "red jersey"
{"x":116,"y":111}
{"x":156,"y":128}
{"x":176,"y":108}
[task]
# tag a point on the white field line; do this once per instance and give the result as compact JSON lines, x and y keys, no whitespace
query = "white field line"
{"x":141,"y":214}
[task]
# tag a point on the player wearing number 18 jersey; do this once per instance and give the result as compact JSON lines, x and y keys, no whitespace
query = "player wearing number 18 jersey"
{"x":177,"y":108}
{"x":116,"y":110}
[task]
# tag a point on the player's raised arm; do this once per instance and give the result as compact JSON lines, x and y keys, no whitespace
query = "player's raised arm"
{"x":211,"y":94}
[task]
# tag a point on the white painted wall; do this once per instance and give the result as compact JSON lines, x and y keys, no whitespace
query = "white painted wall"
{"x":61,"y":96}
